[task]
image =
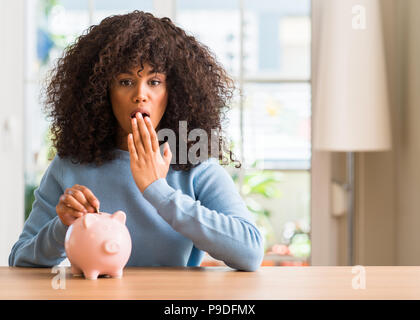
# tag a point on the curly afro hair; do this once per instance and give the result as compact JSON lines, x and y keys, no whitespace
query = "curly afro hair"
{"x":83,"y":125}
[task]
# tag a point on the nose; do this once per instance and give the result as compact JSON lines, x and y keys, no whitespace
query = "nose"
{"x":140,"y":94}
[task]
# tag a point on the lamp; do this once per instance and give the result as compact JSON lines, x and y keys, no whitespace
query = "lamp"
{"x":351,"y":100}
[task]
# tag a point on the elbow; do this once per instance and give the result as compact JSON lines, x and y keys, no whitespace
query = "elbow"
{"x":14,"y":261}
{"x":253,"y":264}
{"x":12,"y":258}
{"x":11,"y":262}
{"x":257,"y":259}
{"x":250,"y":260}
{"x":255,"y":253}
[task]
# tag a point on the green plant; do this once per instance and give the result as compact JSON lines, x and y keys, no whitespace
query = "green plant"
{"x":46,"y":154}
{"x":300,"y":245}
{"x":264,"y":184}
{"x":51,"y":151}
{"x":48,"y":5}
{"x":296,"y":237}
{"x":29,"y":198}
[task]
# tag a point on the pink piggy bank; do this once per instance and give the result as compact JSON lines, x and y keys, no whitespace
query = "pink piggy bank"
{"x":98,"y":244}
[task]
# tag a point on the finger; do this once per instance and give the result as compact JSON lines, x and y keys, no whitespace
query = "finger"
{"x":66,"y":219}
{"x":79,"y":196}
{"x":167,"y":153}
{"x":72,"y":217}
{"x":144,"y":133}
{"x":132,"y":148}
{"x":69,"y":220}
{"x":153,"y":135}
{"x":68,"y":215}
{"x":137,"y":139}
{"x":70,"y":202}
{"x":73,"y":213}
{"x":90,"y":197}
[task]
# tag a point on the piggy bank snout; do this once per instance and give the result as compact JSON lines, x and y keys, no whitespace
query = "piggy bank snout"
{"x":111,"y":247}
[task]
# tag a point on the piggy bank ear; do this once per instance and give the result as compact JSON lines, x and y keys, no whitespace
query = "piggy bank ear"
{"x":119,"y":215}
{"x":88,"y":220}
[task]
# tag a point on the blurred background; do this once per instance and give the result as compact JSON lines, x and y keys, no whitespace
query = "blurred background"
{"x":273,"y":49}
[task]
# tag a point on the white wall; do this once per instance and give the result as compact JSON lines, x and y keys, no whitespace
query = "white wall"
{"x":407,"y":215}
{"x":11,"y":125}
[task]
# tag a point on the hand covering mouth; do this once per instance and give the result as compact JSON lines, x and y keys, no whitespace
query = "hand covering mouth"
{"x":143,"y":113}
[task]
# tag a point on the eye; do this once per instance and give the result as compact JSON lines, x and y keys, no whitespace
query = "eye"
{"x":155,"y":81}
{"x":125,"y":82}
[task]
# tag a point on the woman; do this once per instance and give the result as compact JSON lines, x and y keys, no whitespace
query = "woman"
{"x":109,"y":95}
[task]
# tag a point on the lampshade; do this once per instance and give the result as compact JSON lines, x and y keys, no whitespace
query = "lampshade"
{"x":351,"y":101}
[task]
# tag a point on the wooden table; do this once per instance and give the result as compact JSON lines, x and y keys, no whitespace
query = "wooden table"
{"x":215,"y":283}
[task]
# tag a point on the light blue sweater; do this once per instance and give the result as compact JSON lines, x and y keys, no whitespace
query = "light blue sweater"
{"x":171,"y":224}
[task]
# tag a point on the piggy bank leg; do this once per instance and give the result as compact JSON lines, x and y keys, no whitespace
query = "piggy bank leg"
{"x":91,"y":274}
{"x":116,"y":274}
{"x":75,"y":270}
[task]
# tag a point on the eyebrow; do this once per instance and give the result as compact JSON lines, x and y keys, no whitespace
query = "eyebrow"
{"x":129,"y":72}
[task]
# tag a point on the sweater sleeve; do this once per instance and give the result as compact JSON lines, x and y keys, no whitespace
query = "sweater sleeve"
{"x":41,"y":243}
{"x":218,"y":222}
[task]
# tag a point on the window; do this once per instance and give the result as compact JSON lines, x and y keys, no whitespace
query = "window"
{"x":265,"y":46}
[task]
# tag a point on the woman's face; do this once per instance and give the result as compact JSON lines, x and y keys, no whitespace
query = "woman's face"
{"x":145,"y":92}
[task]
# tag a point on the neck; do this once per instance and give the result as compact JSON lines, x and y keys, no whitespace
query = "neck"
{"x":122,"y":141}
